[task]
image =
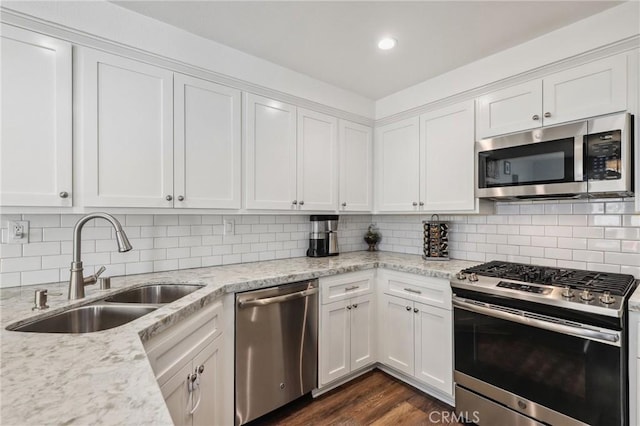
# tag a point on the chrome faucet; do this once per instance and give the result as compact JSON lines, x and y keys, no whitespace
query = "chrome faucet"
{"x":77,"y":282}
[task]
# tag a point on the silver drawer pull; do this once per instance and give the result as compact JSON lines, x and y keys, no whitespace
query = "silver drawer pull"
{"x":352,"y":288}
{"x":410,"y":290}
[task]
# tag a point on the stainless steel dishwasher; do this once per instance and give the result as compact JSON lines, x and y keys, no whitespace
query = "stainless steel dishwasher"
{"x":276,"y":347}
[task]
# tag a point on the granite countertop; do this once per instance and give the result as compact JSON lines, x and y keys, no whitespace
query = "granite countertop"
{"x":105,"y":377}
{"x":634,"y":300}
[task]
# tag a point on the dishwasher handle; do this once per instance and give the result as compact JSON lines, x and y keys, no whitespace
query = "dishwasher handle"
{"x":277,"y":299}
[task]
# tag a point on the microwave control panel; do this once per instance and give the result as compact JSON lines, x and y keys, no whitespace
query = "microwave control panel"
{"x":604,"y":160}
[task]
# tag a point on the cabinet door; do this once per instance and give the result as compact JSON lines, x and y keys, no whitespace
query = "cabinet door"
{"x":176,"y":396}
{"x":596,"y":88}
{"x":207,"y":144}
{"x":209,"y":361}
{"x":510,"y":110}
{"x":317,"y":159}
{"x":334,"y":342}
{"x":356,"y":161}
{"x":434,"y":347}
{"x":397,"y":333}
{"x":363,"y":326}
{"x":270,"y":130}
{"x":127,"y":137}
{"x":35,"y":148}
{"x":398,"y":163}
{"x":447,"y":159}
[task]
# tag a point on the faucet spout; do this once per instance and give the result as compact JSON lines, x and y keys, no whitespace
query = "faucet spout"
{"x":77,"y":281}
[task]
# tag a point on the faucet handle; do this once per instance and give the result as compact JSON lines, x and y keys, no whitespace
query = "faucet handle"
{"x":99,"y":272}
{"x":91,"y":279}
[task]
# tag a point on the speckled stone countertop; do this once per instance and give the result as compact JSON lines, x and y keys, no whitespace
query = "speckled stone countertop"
{"x":634,"y":301}
{"x":105,"y":377}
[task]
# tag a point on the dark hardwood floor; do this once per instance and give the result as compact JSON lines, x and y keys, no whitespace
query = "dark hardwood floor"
{"x":372,"y":399}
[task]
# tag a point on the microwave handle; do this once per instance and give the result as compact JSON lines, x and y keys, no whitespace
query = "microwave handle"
{"x":579,"y":157}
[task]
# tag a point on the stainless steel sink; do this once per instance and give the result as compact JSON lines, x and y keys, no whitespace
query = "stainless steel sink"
{"x":87,"y":319}
{"x":154,"y":294}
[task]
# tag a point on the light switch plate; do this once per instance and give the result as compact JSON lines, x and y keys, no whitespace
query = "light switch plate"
{"x":17,"y":231}
{"x":229,"y":227}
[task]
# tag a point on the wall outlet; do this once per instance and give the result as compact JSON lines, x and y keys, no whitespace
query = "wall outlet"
{"x":229,"y":227}
{"x":17,"y":231}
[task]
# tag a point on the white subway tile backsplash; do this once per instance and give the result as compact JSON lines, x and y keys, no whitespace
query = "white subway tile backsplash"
{"x":165,"y":265}
{"x":604,"y":245}
{"x":588,"y":256}
{"x":573,"y":220}
{"x":166,"y":220}
{"x":138,"y":268}
{"x":39,"y":249}
{"x":588,"y":231}
{"x":43,"y":220}
{"x":14,"y":250}
{"x":10,"y":279}
{"x":622,"y":233}
{"x":572,"y":243}
{"x":551,"y":219}
{"x":544,"y":241}
{"x":193,"y":262}
{"x":59,"y":234}
{"x":558,"y":231}
{"x":520,"y":240}
{"x":588,"y":208}
{"x":630,"y":259}
{"x":630,"y":246}
{"x":559,"y":208}
{"x":19,"y":264}
{"x":39,"y":277}
{"x":558,"y":253}
{"x":603,"y":267}
{"x":605,"y":220}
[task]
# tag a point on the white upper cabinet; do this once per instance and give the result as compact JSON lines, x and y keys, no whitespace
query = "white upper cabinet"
{"x":596,"y":88}
{"x":127,"y":136}
{"x":398,"y":166}
{"x":317,"y":161}
{"x":270,"y":131}
{"x":356,"y":164}
{"x":588,"y":90}
{"x":510,"y":110}
{"x":207,"y":144}
{"x":291,"y":157}
{"x":36,"y":145}
{"x":447,"y":163}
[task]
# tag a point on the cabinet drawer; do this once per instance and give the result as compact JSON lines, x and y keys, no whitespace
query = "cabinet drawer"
{"x":169,"y":350}
{"x":432,"y":291}
{"x":344,"y":286}
{"x":633,"y":318}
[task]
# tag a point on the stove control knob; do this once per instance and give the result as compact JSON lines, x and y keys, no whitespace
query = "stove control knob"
{"x":586,"y":295}
{"x":567,"y":292}
{"x":461,"y":276}
{"x":472,"y":277}
{"x":607,"y":298}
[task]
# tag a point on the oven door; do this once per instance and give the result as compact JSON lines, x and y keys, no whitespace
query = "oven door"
{"x":551,"y":370}
{"x":538,"y":163}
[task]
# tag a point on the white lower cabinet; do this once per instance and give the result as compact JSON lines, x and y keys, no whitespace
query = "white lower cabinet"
{"x":187,"y":362}
{"x":347,"y":328}
{"x":417,"y":338}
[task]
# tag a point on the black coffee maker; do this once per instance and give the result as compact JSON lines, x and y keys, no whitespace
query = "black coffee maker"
{"x":323,"y":238}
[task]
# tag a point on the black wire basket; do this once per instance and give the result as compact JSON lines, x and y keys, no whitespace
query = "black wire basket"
{"x":436,"y":239}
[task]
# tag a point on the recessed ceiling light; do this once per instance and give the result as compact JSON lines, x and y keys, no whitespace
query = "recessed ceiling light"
{"x":387,"y":43}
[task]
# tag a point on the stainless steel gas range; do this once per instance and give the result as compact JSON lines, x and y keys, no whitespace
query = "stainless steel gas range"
{"x":537,"y":345}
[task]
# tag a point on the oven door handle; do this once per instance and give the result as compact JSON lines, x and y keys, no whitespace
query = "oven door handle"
{"x":611,"y":337}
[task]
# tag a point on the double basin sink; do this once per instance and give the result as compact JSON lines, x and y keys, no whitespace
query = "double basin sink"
{"x":111,"y":311}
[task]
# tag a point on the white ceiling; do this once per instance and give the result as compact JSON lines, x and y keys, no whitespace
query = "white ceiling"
{"x":336,"y":41}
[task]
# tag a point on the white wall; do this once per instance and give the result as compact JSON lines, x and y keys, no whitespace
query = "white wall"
{"x":103,"y":19}
{"x":612,"y":25}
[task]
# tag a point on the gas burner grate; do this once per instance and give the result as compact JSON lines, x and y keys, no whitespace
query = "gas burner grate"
{"x":617,"y":284}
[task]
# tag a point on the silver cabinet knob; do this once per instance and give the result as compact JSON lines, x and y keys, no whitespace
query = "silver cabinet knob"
{"x":547,"y":114}
{"x":415,"y":203}
{"x":355,"y":305}
{"x":408,"y":308}
{"x":169,"y":198}
{"x":535,"y":117}
{"x":294,"y":202}
{"x":349,"y":307}
{"x":421,"y":203}
{"x":301,"y":203}
{"x":416,"y":310}
{"x":201,"y":369}
{"x":344,"y":204}
{"x":64,"y":194}
{"x":180,"y":198}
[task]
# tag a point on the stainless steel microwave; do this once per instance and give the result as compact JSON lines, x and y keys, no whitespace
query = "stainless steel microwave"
{"x":591,"y":158}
